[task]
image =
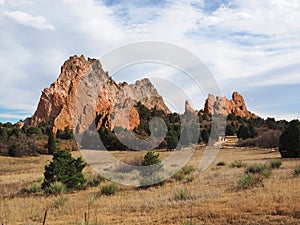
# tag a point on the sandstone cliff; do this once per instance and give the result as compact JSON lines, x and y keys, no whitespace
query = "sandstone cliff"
{"x":223,"y":106}
{"x":84,"y":96}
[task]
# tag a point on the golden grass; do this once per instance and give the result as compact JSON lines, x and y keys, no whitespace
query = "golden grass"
{"x":212,"y":197}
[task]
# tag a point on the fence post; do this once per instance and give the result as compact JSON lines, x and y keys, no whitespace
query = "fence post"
{"x":45,"y":215}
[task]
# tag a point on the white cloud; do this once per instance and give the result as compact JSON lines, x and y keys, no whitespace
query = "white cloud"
{"x":22,"y":18}
{"x":2,"y":2}
{"x":17,"y":3}
{"x":243,"y":42}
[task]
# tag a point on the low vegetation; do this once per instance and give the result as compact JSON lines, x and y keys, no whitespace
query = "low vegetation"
{"x":255,"y":198}
{"x":64,"y":170}
{"x":108,"y":189}
{"x":289,"y":146}
{"x":250,"y":180}
{"x":297,"y":170}
{"x":275,"y":163}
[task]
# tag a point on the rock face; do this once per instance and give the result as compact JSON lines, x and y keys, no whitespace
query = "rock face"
{"x":223,"y":106}
{"x":85,"y":96}
{"x":189,"y":109}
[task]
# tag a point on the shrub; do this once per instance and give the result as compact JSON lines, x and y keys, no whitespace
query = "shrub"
{"x":183,"y":172}
{"x":188,"y":169}
{"x":34,"y":188}
{"x":65,"y":169}
{"x":289,"y":143}
{"x":297,"y":170}
{"x":59,"y":202}
{"x":181,"y":194}
{"x":179,"y":175}
{"x":151,"y":164}
{"x":221,"y":163}
{"x":55,"y":188}
{"x":268,"y":139}
{"x":249,"y":181}
{"x":275,"y":163}
{"x":259,"y":168}
{"x":108,"y":189}
{"x":236,"y":164}
{"x":190,"y":177}
{"x":92,"y":180}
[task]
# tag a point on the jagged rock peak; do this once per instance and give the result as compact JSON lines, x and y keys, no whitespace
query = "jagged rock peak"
{"x":223,"y":106}
{"x":189,"y":108}
{"x":68,"y":95}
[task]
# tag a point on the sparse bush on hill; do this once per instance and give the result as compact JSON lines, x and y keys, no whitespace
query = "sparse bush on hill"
{"x":289,"y":143}
{"x":268,"y":139}
{"x":22,"y":146}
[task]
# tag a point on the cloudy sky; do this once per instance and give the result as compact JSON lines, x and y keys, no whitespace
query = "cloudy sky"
{"x":250,"y":46}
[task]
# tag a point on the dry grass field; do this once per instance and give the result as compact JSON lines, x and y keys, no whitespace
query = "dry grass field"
{"x":209,"y":197}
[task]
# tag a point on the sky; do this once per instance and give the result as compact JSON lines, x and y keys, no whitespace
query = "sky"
{"x":250,"y":46}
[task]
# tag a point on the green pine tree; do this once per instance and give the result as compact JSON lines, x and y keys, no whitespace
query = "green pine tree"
{"x":51,"y":144}
{"x":65,"y":169}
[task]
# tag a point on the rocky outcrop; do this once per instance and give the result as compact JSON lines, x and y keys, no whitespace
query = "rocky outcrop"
{"x":84,"y":96}
{"x":223,"y":106}
{"x":189,"y":109}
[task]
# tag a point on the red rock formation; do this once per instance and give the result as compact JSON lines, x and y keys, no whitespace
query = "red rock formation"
{"x":84,"y":93}
{"x":189,"y":109}
{"x":223,"y":106}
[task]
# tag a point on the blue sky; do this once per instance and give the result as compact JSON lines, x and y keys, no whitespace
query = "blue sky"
{"x":250,"y":46}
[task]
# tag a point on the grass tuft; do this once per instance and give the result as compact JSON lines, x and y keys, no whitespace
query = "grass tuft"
{"x":275,"y":163}
{"x":108,"y":189}
{"x":249,"y":181}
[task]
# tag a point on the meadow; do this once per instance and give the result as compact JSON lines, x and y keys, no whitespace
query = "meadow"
{"x":213,"y":196}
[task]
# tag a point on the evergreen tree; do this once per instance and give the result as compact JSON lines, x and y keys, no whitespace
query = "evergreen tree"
{"x":289,"y":142}
{"x":172,"y":141}
{"x":243,"y":132}
{"x":252,"y":131}
{"x":151,"y":159}
{"x":205,"y":135}
{"x":51,"y":144}
{"x":229,"y":130}
{"x":65,"y":169}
